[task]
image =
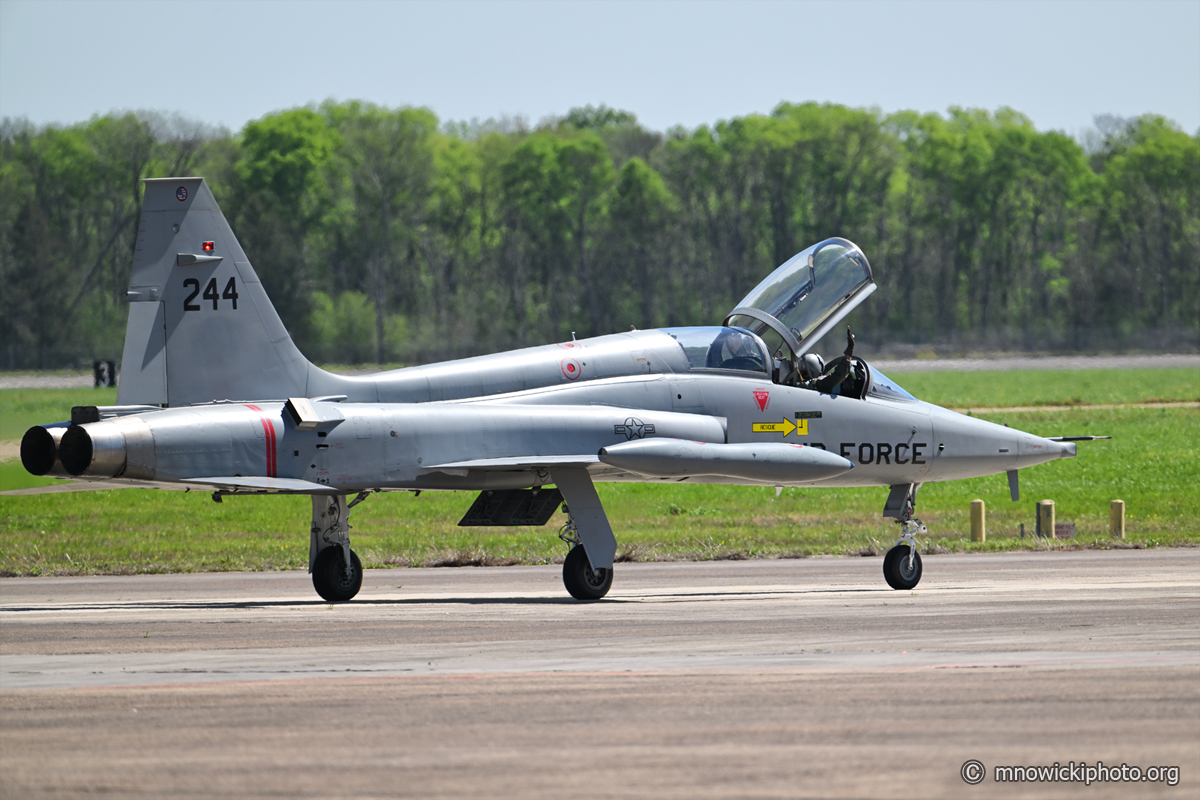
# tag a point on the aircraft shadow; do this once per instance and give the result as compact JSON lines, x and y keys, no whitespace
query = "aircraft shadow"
{"x":253,"y":604}
{"x":216,"y":605}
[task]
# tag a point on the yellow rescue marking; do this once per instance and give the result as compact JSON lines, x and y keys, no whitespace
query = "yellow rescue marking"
{"x":785,"y":427}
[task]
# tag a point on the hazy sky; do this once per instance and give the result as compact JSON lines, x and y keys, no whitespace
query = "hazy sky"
{"x":671,"y":63}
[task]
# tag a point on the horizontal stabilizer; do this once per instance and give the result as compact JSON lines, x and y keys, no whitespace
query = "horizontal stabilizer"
{"x":513,"y":507}
{"x":281,"y":485}
{"x":75,"y":486}
{"x":765,"y":462}
{"x":1076,"y":438}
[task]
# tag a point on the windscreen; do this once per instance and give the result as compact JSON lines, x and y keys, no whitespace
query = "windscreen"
{"x":883,"y":386}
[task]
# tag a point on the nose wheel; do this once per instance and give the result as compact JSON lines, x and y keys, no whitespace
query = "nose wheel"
{"x":902,"y":564}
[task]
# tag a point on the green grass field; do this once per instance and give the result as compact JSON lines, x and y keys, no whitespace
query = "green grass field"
{"x":1036,"y":387}
{"x":1153,"y":463}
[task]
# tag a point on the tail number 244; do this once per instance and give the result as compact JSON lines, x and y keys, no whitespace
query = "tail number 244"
{"x":210,"y":293}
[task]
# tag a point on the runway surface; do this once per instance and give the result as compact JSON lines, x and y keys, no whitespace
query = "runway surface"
{"x":790,"y":678}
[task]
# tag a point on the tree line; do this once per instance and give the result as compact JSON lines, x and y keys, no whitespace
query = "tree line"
{"x":384,"y":236}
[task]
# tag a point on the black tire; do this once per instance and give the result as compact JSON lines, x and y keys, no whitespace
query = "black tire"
{"x":329,"y":575}
{"x":895,"y":570}
{"x":583,"y":582}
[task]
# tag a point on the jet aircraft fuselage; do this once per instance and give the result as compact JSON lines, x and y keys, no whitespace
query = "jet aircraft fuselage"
{"x":214,"y":393}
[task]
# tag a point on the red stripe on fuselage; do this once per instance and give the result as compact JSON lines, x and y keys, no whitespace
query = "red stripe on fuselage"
{"x":271,"y":455}
{"x":269,"y":430}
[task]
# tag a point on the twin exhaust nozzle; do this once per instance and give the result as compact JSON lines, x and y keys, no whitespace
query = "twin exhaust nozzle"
{"x":91,"y":451}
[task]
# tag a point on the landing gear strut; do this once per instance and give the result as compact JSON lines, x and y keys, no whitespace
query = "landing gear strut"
{"x":336,"y":571}
{"x":902,"y":564}
{"x":582,"y":581}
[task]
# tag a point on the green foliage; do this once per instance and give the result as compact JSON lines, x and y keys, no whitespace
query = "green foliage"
{"x":70,"y":199}
{"x":983,"y":231}
{"x":283,"y":153}
{"x":593,"y":118}
{"x":345,"y":327}
{"x":641,"y":214}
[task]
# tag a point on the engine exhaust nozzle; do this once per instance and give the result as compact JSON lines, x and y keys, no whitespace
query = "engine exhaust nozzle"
{"x":94,"y":450}
{"x":39,"y":451}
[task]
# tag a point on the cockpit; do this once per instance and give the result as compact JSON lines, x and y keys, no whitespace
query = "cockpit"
{"x":774,"y":327}
{"x":722,"y":348}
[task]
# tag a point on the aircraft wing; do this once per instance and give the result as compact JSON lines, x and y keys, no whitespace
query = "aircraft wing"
{"x":255,"y":484}
{"x":235,"y":483}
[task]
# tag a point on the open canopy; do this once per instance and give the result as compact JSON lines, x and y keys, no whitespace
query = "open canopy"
{"x":807,"y":296}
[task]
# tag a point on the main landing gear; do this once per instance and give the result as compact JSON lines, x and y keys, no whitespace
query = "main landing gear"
{"x":336,"y":571}
{"x":582,"y":582}
{"x":332,"y":580}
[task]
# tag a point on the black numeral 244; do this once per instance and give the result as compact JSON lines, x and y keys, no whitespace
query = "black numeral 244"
{"x":210,"y":293}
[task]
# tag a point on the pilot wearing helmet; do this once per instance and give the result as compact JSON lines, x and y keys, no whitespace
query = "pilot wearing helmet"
{"x":827,"y":378}
{"x":733,"y":349}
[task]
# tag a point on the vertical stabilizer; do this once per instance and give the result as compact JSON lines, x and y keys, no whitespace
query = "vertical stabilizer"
{"x":200,"y":325}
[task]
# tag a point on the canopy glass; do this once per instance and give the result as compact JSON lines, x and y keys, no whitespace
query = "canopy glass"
{"x":805,"y":297}
{"x":721,"y":348}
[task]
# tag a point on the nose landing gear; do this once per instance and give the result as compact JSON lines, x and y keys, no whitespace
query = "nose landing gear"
{"x":902,"y":564}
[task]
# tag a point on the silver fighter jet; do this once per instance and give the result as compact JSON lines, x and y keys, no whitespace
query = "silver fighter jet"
{"x":214,"y":394}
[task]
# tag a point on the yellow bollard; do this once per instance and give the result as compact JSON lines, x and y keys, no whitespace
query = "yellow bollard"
{"x":1116,"y":519}
{"x":978,"y":524}
{"x":1045,"y":519}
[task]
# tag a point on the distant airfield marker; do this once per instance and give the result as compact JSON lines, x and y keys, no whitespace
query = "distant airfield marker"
{"x":1045,"y":519}
{"x":978,"y":521}
{"x":1116,"y":519}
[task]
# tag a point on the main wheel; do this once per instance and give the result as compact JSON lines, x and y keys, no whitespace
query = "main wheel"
{"x":329,"y":575}
{"x":583,"y":582}
{"x":896,"y":570}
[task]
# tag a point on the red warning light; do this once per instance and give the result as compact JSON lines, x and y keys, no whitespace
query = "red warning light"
{"x":208,"y":247}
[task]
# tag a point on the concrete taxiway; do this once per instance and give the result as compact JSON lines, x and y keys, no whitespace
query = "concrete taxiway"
{"x":746,"y":679}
